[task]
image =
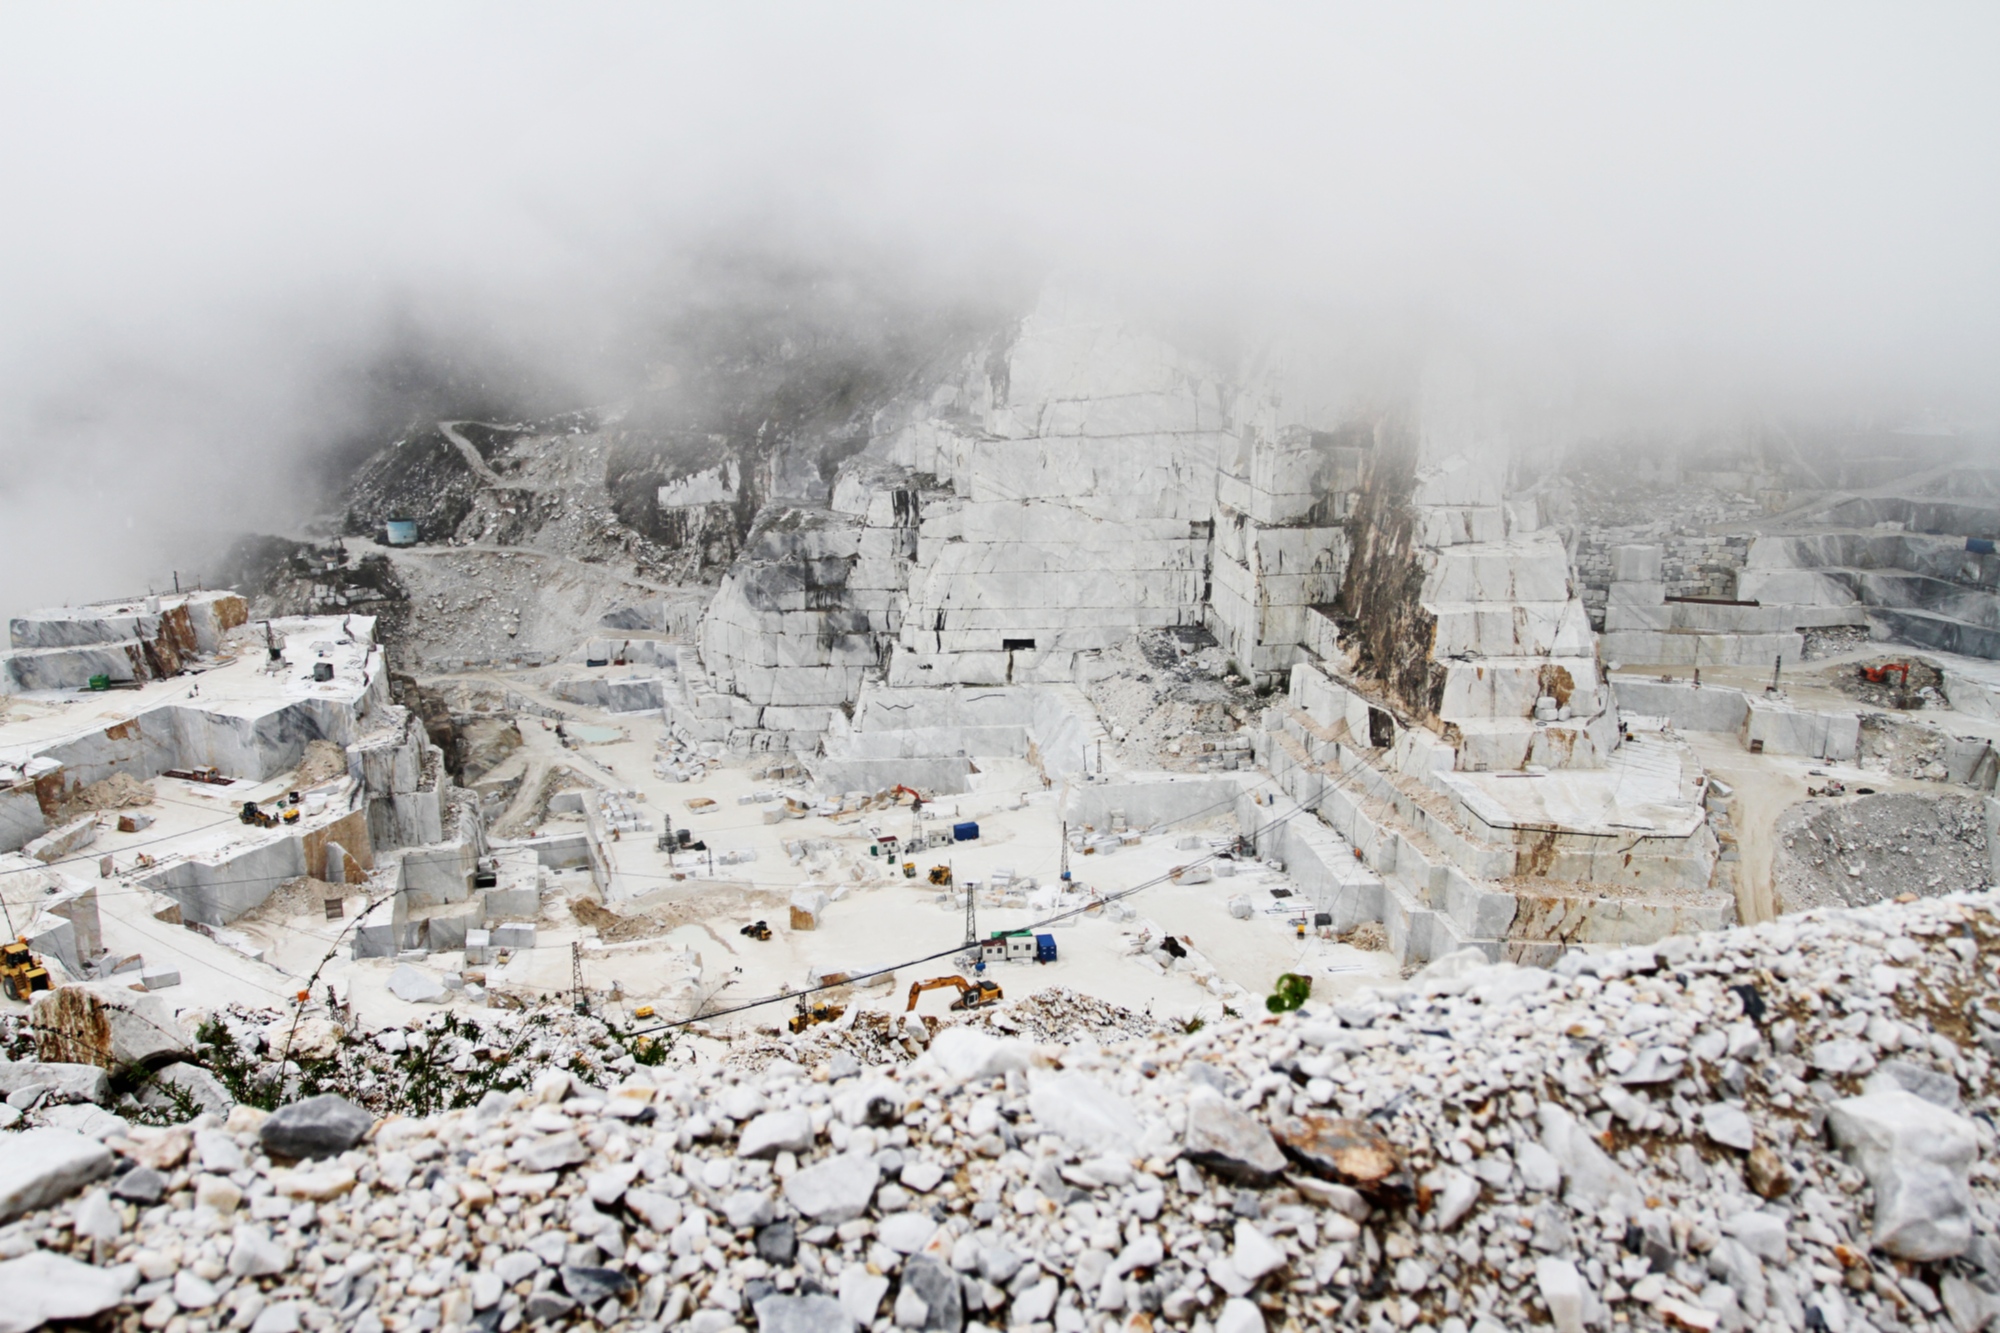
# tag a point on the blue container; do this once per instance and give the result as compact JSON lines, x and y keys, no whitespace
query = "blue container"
{"x":401,"y":531}
{"x":964,"y":832}
{"x":1045,"y":948}
{"x":1979,"y":546}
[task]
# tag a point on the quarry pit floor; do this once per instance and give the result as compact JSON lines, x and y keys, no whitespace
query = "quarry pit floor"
{"x":680,"y":949}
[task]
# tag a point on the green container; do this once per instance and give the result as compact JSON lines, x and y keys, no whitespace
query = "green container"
{"x":100,"y":682}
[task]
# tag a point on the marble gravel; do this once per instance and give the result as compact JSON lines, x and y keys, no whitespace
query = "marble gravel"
{"x":1782,"y":1127}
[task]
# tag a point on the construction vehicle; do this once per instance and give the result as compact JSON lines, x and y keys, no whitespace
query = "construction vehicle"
{"x":809,"y":1014}
{"x":971,"y":995}
{"x":909,"y":870}
{"x":941,"y":875}
{"x":1879,"y":675}
{"x":253,"y":815}
{"x":757,"y":930}
{"x":21,"y":973}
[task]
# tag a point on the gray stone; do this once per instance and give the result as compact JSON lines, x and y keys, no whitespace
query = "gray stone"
{"x":747,"y":1208}
{"x":319,"y":1126}
{"x":546,"y":1305}
{"x":189,"y":1084}
{"x":777,"y":1243}
{"x":41,"y":1286}
{"x":998,"y":1265}
{"x":1229,"y":1142}
{"x":141,"y":1185}
{"x":774,"y":1132}
{"x":594,"y":1285}
{"x":938,"y":1288}
{"x":834,"y":1190}
{"x":39,"y":1167}
{"x":67,"y":1082}
{"x":1763,"y":1234}
{"x":802,"y":1314}
{"x":1934,"y":1086}
{"x":1916,"y":1156}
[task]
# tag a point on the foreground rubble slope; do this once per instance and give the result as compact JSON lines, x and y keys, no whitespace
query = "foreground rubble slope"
{"x":1785,"y":1126}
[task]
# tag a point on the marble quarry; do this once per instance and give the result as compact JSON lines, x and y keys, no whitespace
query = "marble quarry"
{"x":1486,"y":767}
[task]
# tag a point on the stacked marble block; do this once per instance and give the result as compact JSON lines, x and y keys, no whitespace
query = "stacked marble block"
{"x":1641,"y":627}
{"x":63,"y":647}
{"x":1278,"y":550}
{"x":1423,"y":827}
{"x":1081,"y":490}
{"x":1410,"y":867}
{"x":440,"y":907}
{"x":1521,"y":682}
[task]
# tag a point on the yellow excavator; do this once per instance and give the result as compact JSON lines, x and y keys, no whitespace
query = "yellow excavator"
{"x":21,"y":973}
{"x":941,"y":875}
{"x":809,"y":1014}
{"x":971,"y":995}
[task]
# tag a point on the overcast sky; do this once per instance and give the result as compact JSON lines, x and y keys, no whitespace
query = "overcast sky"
{"x":211,"y":216}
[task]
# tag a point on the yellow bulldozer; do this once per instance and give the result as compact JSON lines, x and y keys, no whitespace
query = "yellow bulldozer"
{"x":21,"y":973}
{"x":941,"y":875}
{"x":971,"y":995}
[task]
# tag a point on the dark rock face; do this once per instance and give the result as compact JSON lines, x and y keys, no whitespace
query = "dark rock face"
{"x":1380,"y":607}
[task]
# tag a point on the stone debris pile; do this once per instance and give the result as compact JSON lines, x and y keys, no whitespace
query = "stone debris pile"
{"x":1778,"y":1127}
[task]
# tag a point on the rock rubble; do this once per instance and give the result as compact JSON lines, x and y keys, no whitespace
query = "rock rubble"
{"x":1649,"y":1138}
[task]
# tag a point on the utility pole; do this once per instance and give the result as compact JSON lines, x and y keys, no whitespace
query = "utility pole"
{"x":971,"y":912}
{"x":1065,"y":851}
{"x":581,"y":1004}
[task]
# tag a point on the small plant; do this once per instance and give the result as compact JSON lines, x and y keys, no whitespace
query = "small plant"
{"x":172,"y":1104}
{"x":644,"y":1048}
{"x":1190,"y":1026}
{"x":1230,"y":1012}
{"x":1292,"y":991}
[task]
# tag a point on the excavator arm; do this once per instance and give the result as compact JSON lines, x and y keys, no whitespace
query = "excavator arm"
{"x":919,"y":987}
